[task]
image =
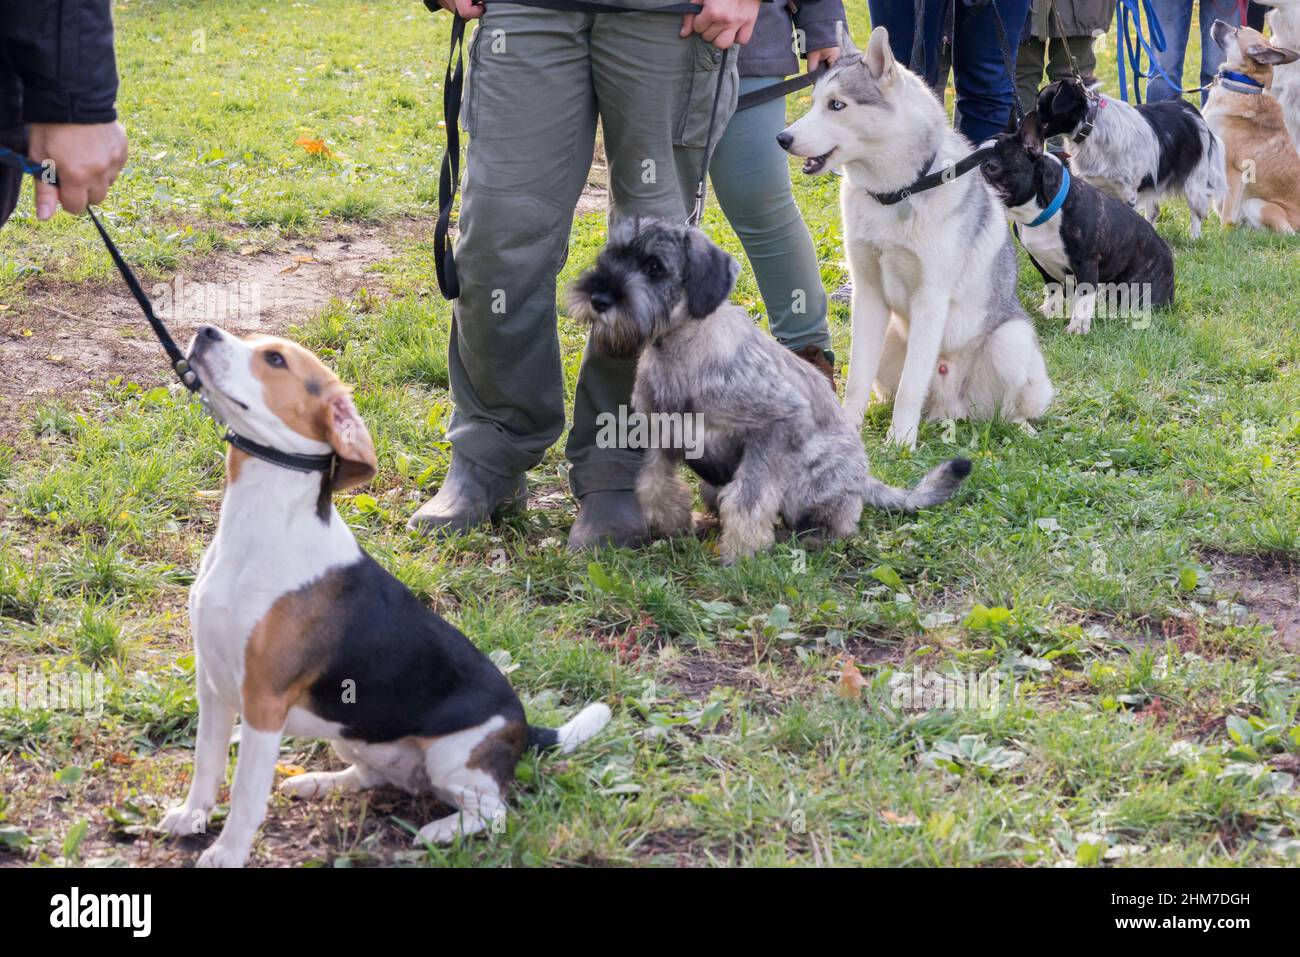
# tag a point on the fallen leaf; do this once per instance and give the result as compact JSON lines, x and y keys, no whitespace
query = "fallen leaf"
{"x":117,"y":757}
{"x":290,"y":770}
{"x":851,"y":681}
{"x":900,"y":820}
{"x":315,"y":147}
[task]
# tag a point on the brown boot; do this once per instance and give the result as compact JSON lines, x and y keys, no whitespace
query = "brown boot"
{"x":817,"y":356}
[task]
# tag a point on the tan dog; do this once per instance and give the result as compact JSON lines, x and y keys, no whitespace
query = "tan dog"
{"x":1263,"y":167}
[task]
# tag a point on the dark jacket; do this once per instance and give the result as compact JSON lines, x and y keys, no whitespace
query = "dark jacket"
{"x":56,"y":66}
{"x":770,"y":51}
{"x":1080,"y":18}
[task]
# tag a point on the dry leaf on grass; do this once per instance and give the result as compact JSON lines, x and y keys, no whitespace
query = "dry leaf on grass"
{"x":900,"y":820}
{"x":851,"y":681}
{"x":315,"y":147}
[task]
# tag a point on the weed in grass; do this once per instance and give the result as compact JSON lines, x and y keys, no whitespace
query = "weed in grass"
{"x":99,"y":573}
{"x":23,"y":590}
{"x":97,"y":638}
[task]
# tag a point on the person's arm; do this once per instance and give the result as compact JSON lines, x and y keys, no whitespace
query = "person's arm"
{"x":817,"y":20}
{"x":62,"y":51}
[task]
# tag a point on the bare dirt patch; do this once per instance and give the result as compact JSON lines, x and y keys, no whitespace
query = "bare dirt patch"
{"x":66,"y":337}
{"x":1269,"y":589}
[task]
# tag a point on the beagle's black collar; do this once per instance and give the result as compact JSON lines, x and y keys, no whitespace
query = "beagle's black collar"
{"x":286,"y":460}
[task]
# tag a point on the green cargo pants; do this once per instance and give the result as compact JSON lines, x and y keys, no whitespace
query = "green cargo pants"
{"x":538,"y":81}
{"x":1030,"y":64}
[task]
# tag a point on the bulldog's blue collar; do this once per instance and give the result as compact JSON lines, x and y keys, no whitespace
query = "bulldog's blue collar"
{"x":1240,"y":83}
{"x":1058,"y":200}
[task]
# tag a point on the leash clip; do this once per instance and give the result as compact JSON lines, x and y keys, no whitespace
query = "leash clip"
{"x":697,"y":211}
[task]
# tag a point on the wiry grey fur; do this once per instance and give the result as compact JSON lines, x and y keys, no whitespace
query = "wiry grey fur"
{"x":776,"y":444}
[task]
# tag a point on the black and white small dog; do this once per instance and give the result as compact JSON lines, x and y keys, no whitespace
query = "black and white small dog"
{"x":1071,"y":229}
{"x":1141,"y":154}
{"x":777,"y":446}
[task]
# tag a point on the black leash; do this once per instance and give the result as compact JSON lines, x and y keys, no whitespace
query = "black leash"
{"x":449,"y":176}
{"x":701,"y":184}
{"x":780,"y":90}
{"x":189,"y":378}
{"x":937,"y":178}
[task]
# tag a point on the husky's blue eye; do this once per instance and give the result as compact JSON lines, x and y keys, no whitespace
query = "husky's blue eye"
{"x":835,"y":105}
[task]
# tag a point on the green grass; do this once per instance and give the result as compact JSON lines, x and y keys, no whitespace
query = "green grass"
{"x":1080,"y":564}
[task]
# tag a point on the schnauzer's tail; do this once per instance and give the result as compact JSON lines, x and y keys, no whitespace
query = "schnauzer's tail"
{"x":568,"y":736}
{"x":937,"y":486}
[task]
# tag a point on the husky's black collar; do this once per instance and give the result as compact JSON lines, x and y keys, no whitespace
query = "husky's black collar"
{"x":925,"y":181}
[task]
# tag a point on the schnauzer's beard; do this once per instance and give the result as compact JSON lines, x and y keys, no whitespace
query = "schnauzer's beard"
{"x":622,"y":330}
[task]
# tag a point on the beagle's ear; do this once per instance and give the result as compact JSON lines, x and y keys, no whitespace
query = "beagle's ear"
{"x":348,"y":436}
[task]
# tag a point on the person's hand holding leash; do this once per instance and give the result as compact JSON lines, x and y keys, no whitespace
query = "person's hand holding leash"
{"x":467,"y":9}
{"x":722,"y":22}
{"x":87,"y":158}
{"x":826,"y":56}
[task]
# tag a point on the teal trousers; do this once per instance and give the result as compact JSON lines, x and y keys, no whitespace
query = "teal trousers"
{"x":750,"y":174}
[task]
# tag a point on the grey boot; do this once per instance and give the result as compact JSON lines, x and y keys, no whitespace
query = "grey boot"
{"x":469,"y":497}
{"x":608,"y":518}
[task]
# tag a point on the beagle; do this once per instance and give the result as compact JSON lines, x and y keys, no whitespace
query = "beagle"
{"x":302,"y":633}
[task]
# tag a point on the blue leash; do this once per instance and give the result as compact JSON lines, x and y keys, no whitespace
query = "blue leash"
{"x":21,"y":163}
{"x":1124,"y":10}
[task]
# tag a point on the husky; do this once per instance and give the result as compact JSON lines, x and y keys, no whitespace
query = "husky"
{"x":937,"y":323}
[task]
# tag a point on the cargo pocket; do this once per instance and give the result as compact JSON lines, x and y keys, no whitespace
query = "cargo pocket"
{"x":469,"y":105}
{"x":691,"y":127}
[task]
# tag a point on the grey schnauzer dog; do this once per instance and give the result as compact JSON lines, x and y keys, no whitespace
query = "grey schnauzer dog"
{"x":776,"y":444}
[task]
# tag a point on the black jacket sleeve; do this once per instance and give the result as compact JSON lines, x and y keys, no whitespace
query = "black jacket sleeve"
{"x":60,"y":54}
